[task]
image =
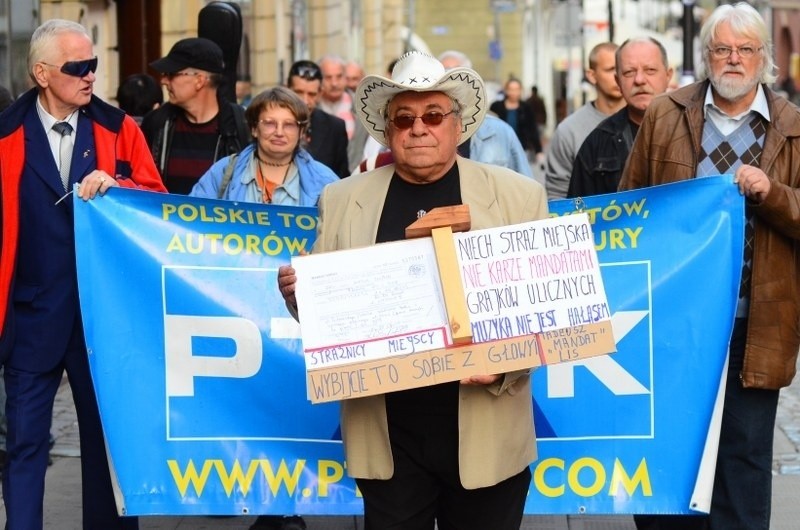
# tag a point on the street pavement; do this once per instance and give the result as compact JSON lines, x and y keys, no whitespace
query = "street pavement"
{"x":62,"y":498}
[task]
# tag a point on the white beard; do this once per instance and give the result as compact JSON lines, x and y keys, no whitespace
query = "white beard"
{"x":732,"y":89}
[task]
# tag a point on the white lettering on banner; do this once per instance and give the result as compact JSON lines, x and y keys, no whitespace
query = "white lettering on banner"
{"x":561,"y":377}
{"x":182,"y":366}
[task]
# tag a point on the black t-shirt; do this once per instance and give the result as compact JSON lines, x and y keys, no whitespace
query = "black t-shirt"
{"x":404,"y":204}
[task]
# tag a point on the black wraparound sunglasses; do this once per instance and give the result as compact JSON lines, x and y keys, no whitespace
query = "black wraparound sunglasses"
{"x":76,"y":68}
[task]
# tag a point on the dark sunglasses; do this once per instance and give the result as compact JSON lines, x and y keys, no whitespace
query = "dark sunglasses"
{"x":307,"y":72}
{"x":406,"y":121}
{"x":76,"y":68}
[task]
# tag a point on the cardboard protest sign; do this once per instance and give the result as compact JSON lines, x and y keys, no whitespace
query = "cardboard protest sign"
{"x":374,"y":319}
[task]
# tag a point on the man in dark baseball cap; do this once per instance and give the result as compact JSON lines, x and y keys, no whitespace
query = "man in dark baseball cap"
{"x":196,"y":127}
{"x":196,"y":52}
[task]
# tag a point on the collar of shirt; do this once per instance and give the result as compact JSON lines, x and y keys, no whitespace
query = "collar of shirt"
{"x":48,"y":120}
{"x":727,"y":124}
{"x":287,"y":193}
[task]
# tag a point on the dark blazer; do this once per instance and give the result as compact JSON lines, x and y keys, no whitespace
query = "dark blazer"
{"x":599,"y":162}
{"x":329,"y":142}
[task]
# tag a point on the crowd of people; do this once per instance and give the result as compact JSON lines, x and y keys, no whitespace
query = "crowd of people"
{"x":393,"y":147}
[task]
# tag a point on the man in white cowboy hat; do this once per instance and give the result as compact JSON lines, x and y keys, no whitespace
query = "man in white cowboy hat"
{"x":456,"y":453}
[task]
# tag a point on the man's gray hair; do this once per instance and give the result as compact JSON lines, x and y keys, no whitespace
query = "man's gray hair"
{"x":460,"y":58}
{"x":743,"y":19}
{"x":44,"y":35}
{"x":633,"y":40}
{"x":333,"y":58}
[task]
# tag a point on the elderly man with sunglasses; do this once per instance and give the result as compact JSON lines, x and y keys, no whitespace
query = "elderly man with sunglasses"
{"x":326,"y":135}
{"x":456,"y":454}
{"x":55,"y":136}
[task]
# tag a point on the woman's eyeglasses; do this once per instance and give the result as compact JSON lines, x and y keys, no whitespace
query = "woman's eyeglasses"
{"x":76,"y":68}
{"x":406,"y":121}
{"x":270,"y":126}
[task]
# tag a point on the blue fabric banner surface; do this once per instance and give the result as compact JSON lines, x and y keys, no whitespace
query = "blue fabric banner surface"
{"x":200,"y":377}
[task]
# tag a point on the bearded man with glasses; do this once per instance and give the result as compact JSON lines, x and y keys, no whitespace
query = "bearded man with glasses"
{"x":197,"y":126}
{"x":53,"y":137}
{"x":732,"y":123}
{"x":456,"y":454}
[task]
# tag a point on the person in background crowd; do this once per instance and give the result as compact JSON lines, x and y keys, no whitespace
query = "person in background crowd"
{"x":512,"y":110}
{"x":456,"y":454}
{"x":732,"y":122}
{"x":138,"y":94}
{"x":539,"y":109}
{"x":244,"y":87}
{"x":196,"y":127}
{"x":337,"y":101}
{"x":353,"y":74}
{"x":52,"y":137}
{"x":325,"y":135}
{"x":570,"y":133}
{"x":643,"y":73}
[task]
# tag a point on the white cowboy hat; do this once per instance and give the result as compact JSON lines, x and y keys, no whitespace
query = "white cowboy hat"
{"x":420,"y":72}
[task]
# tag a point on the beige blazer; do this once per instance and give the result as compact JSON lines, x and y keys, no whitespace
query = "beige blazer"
{"x":496,"y":434}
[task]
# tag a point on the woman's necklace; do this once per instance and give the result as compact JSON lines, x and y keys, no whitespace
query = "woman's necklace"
{"x":267,"y":186}
{"x":273,"y":164}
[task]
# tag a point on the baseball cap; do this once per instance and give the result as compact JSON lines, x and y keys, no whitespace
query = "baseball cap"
{"x":196,"y":52}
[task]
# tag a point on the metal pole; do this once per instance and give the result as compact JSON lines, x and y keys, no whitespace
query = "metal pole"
{"x":688,"y":74}
{"x":610,"y":20}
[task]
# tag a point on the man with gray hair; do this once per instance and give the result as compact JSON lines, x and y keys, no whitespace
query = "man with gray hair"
{"x":643,"y":73}
{"x":53,"y":137}
{"x":732,"y":123}
{"x":337,"y":100}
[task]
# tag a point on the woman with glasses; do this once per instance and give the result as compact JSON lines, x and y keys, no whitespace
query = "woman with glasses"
{"x":274,"y":168}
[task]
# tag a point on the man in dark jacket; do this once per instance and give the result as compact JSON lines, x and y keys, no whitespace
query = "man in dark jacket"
{"x":643,"y":72}
{"x":326,"y":136}
{"x":197,"y":127}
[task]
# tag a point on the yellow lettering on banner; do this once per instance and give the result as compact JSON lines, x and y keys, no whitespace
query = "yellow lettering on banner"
{"x":574,"y":479}
{"x":619,"y":477}
{"x":182,"y":480}
{"x":328,"y":472}
{"x":290,"y":480}
{"x":538,"y":477}
{"x":229,"y":480}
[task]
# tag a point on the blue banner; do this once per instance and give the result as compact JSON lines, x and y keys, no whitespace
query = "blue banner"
{"x":200,"y":377}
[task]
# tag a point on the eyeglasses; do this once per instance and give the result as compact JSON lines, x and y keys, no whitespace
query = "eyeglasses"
{"x":723,"y":52}
{"x":406,"y":121}
{"x":76,"y":68}
{"x":270,"y":126}
{"x":173,"y":75}
{"x":307,"y":72}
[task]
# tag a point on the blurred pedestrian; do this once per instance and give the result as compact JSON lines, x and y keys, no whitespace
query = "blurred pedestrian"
{"x":512,"y":110}
{"x":138,"y":94}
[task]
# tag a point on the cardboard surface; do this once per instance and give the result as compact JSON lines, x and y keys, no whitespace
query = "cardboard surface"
{"x":455,"y":363}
